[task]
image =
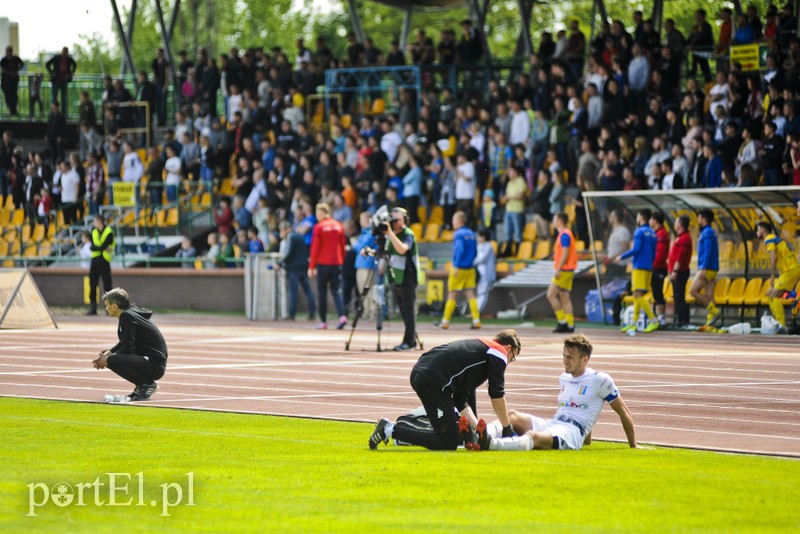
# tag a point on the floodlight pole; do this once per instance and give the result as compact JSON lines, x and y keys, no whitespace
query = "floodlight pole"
{"x":125,"y":44}
{"x":355,"y":21}
{"x":405,"y":29}
{"x":129,"y":35}
{"x":524,"y":42}
{"x":166,"y":39}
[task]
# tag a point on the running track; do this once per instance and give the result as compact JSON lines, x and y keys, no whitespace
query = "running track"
{"x":722,"y":392}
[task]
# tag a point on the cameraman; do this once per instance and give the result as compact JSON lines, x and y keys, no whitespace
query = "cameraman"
{"x":403,"y":251}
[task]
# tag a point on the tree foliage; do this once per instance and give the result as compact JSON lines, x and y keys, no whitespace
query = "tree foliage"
{"x":220,"y":24}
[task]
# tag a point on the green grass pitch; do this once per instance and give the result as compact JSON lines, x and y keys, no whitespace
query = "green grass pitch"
{"x":276,"y":474}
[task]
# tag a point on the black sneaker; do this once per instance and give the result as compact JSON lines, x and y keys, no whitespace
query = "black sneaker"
{"x":143,"y":392}
{"x":378,"y":434}
{"x":467,"y":433}
{"x":482,"y":444}
{"x":562,"y":328}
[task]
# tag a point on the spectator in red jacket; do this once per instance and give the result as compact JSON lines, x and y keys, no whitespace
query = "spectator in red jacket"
{"x":325,"y":263}
{"x":680,"y":256}
{"x":660,"y":263}
{"x":223,"y":217}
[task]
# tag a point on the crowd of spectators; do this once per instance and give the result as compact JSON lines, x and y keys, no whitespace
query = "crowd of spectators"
{"x":623,"y":111}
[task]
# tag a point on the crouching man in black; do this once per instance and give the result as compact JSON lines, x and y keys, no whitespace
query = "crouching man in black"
{"x":140,"y":357}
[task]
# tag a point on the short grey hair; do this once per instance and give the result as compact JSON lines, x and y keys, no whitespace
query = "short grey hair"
{"x":119,"y":297}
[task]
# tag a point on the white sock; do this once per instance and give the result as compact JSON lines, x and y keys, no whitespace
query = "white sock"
{"x":389,"y":430}
{"x":517,"y":443}
{"x":495,"y":429}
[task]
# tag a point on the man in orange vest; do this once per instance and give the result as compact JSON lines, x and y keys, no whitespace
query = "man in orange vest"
{"x":566,"y":261}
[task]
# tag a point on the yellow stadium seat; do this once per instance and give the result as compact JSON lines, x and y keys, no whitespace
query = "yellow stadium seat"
{"x":3,"y":248}
{"x":447,"y":235}
{"x":494,"y":246}
{"x":542,"y":250}
{"x":754,"y":297}
{"x":378,"y":106}
{"x":598,"y":245}
{"x":422,"y":214}
{"x":432,"y":231}
{"x":751,"y":291}
{"x":668,"y":290}
{"x":198,"y":264}
{"x":17,"y":217}
{"x":580,"y":246}
{"x":529,"y":233}
{"x":735,"y":291}
{"x":502,"y":267}
{"x":569,"y":209}
{"x":721,"y":288}
{"x":9,"y":203}
{"x":417,"y":229}
{"x":519,"y":265}
{"x":437,"y":215}
{"x":38,"y":233}
{"x":172,"y":217}
{"x":525,"y":250}
{"x":26,"y":232}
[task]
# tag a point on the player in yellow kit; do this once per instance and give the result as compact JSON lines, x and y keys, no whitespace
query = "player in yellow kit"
{"x":782,"y":259}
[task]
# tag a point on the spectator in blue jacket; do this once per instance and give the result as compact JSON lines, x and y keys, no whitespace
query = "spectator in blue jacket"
{"x":712,"y":174}
{"x":643,"y":254}
{"x":294,"y":258}
{"x":462,"y":273}
{"x":412,"y":188}
{"x":365,"y":265}
{"x":243,"y":218}
{"x":707,"y":266}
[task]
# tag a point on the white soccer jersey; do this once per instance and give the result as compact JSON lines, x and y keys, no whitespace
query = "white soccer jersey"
{"x":581,"y":399}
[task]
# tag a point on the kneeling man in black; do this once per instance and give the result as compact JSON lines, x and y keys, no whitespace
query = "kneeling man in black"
{"x":140,"y":357}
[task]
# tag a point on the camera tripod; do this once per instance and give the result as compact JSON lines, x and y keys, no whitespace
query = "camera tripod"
{"x":379,"y":296}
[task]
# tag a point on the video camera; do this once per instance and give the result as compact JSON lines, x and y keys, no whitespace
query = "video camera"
{"x":381,"y":221}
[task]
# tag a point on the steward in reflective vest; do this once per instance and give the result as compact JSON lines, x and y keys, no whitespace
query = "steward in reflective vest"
{"x":102,"y":248}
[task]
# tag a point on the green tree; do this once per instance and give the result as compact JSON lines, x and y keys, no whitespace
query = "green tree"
{"x":220,"y":24}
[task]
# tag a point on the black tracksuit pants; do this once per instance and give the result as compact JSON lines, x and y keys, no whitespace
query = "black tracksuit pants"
{"x":99,"y":268}
{"x":136,"y":369}
{"x":441,"y":412}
